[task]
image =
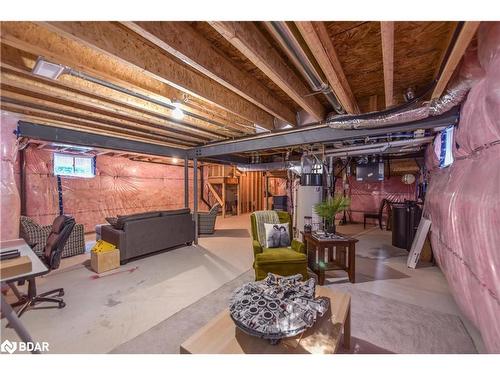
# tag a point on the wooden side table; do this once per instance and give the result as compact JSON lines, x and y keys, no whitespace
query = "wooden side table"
{"x":331,"y":254}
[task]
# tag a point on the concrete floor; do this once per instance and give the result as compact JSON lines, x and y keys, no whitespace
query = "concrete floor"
{"x":101,"y":313}
{"x":104,"y":312}
{"x":425,"y":286}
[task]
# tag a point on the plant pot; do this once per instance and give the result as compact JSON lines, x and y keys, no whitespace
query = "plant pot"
{"x":330,"y":228}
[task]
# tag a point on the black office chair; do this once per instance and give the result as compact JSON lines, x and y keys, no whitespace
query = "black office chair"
{"x":61,"y":229}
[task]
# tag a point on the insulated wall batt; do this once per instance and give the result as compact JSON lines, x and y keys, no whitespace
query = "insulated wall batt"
{"x":367,"y":196}
{"x":463,"y":200}
{"x":10,"y":202}
{"x":121,"y":186}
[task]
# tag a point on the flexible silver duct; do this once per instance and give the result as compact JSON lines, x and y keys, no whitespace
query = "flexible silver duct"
{"x":263,"y":167}
{"x":453,"y":96}
{"x":292,"y":47}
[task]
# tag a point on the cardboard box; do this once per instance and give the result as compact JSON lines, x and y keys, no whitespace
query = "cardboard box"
{"x":13,"y":267}
{"x":105,"y":261}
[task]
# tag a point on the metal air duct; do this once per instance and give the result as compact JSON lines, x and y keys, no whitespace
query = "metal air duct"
{"x":281,"y":31}
{"x":381,"y":147}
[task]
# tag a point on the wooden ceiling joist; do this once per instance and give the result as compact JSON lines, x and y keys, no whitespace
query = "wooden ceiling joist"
{"x":226,"y":76}
{"x":85,"y":92}
{"x":467,"y":32}
{"x":23,"y":42}
{"x":317,"y":39}
{"x":185,"y":43}
{"x":47,"y":106}
{"x":120,"y":43}
{"x":387,"y":35}
{"x":249,"y":40}
{"x":41,"y":90}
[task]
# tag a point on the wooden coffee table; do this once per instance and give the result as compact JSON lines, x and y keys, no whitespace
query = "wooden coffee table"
{"x":221,"y":336}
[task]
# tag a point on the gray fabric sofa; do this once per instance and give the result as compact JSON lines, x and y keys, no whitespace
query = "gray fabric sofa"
{"x":141,"y":234}
{"x":206,"y":220}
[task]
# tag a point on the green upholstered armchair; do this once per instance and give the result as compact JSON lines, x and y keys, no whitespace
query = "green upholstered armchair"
{"x":285,"y":261}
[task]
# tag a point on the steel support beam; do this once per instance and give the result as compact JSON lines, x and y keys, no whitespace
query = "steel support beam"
{"x":62,"y":135}
{"x":316,"y":134}
{"x":195,"y":202}
{"x":227,"y":159}
{"x":186,"y":182}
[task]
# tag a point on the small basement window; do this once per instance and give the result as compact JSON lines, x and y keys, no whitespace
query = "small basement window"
{"x":443,"y":147}
{"x":74,"y":166}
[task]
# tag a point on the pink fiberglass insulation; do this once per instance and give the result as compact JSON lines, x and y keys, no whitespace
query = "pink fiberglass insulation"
{"x":121,"y":186}
{"x":10,"y":202}
{"x":463,"y":200}
{"x":367,"y":196}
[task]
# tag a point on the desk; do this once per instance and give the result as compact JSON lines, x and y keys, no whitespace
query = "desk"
{"x":339,"y":255}
{"x":38,"y":268}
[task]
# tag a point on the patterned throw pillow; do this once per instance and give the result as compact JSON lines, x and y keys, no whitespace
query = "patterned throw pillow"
{"x":112,"y":221}
{"x":277,"y":235}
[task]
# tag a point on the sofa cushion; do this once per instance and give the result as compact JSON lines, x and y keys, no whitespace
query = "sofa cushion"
{"x":122,"y":219}
{"x":111,"y":220}
{"x":180,"y":211}
{"x":280,"y":255}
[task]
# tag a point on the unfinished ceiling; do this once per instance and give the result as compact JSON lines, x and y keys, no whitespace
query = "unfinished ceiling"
{"x":229,"y":79}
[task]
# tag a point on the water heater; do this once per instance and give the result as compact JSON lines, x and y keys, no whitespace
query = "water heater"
{"x":306,"y":197}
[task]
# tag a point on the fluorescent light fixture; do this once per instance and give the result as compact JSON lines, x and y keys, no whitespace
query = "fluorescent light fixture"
{"x":287,"y":126}
{"x":260,"y":129}
{"x":177,"y":112}
{"x":47,"y":69}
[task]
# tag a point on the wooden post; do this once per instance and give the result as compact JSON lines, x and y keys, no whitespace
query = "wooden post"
{"x":238,"y":197}
{"x":266,"y":191}
{"x":261,"y":191}
{"x":223,"y":198}
{"x":251,"y":178}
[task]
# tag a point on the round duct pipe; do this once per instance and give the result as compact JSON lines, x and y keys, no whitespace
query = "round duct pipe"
{"x":282,"y":33}
{"x":311,"y":179}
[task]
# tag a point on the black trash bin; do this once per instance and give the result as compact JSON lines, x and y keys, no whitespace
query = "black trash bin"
{"x":405,"y":219}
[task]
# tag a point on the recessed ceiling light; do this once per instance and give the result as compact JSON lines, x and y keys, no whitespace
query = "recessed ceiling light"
{"x":177,"y":113}
{"x":47,"y":69}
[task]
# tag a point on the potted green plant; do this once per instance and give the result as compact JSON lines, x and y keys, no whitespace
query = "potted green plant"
{"x":329,"y":208}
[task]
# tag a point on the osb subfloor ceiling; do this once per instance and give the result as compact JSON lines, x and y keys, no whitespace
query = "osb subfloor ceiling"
{"x":226,"y":77}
